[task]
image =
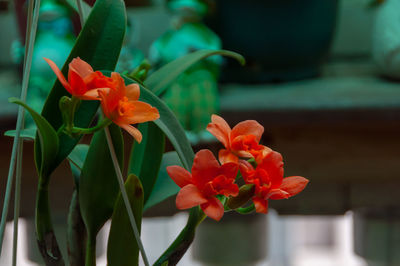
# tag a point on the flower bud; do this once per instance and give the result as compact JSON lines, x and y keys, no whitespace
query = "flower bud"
{"x":246,"y":192}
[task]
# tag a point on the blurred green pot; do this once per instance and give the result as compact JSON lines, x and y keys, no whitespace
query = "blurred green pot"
{"x":281,"y":40}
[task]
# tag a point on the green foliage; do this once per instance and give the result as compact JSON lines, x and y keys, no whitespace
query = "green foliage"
{"x":99,"y":44}
{"x":98,"y":185}
{"x":85,"y":7}
{"x":162,"y":78}
{"x":170,"y":126}
{"x":47,"y":137}
{"x":146,"y":157}
{"x":164,"y":186}
{"x":122,"y":248}
{"x":27,"y":133}
{"x":76,"y":160}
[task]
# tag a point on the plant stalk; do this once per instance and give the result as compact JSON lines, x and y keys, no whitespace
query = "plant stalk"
{"x":125,"y":196}
{"x":17,"y":198}
{"x":90,"y":251}
{"x":31,"y":34}
{"x":181,"y":244}
{"x":46,"y":239}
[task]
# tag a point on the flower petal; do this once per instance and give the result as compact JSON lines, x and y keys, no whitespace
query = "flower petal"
{"x":220,"y":129}
{"x":133,"y":92}
{"x":94,"y":94}
{"x":213,"y":209}
{"x":205,"y":168}
{"x":277,"y":194}
{"x":59,"y":74}
{"x":261,"y":205}
{"x":248,"y":127}
{"x":226,"y":156}
{"x":189,"y":196}
{"x":78,"y":86}
{"x":135,"y":133}
{"x":179,"y":175}
{"x":246,"y":169}
{"x":139,"y":112}
{"x":294,"y":184}
{"x":229,"y":170}
{"x":273,"y":164}
{"x":79,"y":66}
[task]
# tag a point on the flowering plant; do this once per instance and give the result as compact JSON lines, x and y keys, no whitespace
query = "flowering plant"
{"x":209,"y":186}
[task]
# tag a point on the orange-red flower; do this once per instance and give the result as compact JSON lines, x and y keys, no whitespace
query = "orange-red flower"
{"x":269,"y":182}
{"x":208,"y":179}
{"x":83,"y":82}
{"x":241,"y":141}
{"x":121,"y":105}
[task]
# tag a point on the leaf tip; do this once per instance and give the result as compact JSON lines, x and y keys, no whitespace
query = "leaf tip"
{"x":13,"y":100}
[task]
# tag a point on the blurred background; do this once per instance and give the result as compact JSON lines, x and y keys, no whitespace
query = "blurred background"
{"x":322,"y":77}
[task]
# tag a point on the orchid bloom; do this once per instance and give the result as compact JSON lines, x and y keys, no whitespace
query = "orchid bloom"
{"x":269,"y":182}
{"x":83,"y":82}
{"x":122,"y":106}
{"x":207,"y":180}
{"x":241,"y":141}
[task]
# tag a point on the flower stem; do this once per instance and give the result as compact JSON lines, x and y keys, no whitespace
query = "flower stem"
{"x":102,"y":124}
{"x":179,"y":247}
{"x":30,"y":40}
{"x":17,"y":198}
{"x":246,"y":210}
{"x":125,"y":196}
{"x":90,"y":251}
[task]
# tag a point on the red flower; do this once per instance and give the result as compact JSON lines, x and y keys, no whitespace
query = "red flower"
{"x":83,"y":82}
{"x":241,"y":141}
{"x":269,"y":182}
{"x":208,"y":179}
{"x":121,"y":105}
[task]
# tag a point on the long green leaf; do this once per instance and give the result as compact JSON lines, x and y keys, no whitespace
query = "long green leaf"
{"x":146,"y":157}
{"x":76,"y":160}
{"x":160,"y":79}
{"x":47,"y":137}
{"x":122,"y":248}
{"x":98,"y":185}
{"x":85,"y":7}
{"x":171,"y":128}
{"x":164,"y":186}
{"x":26,"y":133}
{"x":99,"y":44}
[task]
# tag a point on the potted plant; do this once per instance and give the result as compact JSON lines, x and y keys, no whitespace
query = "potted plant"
{"x":206,"y":184}
{"x":281,"y":40}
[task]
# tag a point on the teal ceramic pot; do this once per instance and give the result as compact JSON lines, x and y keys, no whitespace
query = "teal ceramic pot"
{"x":281,"y":40}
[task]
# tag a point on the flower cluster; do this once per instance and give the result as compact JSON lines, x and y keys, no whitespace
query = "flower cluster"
{"x":259,"y":166}
{"x":120,"y":103}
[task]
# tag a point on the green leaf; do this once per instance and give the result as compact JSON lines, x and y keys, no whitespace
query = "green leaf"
{"x":27,"y":133}
{"x":47,"y":137}
{"x":146,"y":157}
{"x":98,"y":185}
{"x":122,"y":248}
{"x":160,"y":79}
{"x":86,"y":9}
{"x":76,"y":160}
{"x":99,"y":44}
{"x":76,"y":233}
{"x":164,"y":187}
{"x":171,"y":127}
